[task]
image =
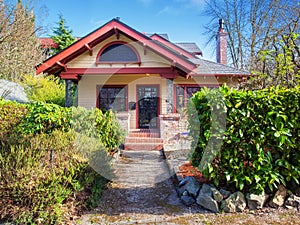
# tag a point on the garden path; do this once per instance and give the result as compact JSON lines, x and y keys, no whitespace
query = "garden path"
{"x":142,"y":193}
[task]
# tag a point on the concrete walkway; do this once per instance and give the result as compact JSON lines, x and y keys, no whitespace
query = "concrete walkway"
{"x":142,"y":193}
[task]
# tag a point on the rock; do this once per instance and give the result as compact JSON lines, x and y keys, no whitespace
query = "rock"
{"x":225,"y":193}
{"x":180,"y":191}
{"x":185,"y":193}
{"x":12,"y":91}
{"x":187,"y":200}
{"x":191,"y":185}
{"x":279,"y":197}
{"x":256,"y":201}
{"x":206,"y":190}
{"x":207,"y":202}
{"x":292,"y":202}
{"x":234,"y":203}
{"x":216,"y":195}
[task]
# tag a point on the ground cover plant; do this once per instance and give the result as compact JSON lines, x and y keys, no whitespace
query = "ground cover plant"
{"x":45,"y":177}
{"x":257,"y":147}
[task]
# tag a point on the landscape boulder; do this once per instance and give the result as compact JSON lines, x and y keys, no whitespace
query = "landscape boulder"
{"x":234,"y":203}
{"x":191,"y":185}
{"x":206,"y":200}
{"x":256,"y":201}
{"x":279,"y":197}
{"x":292,"y":202}
{"x":12,"y":91}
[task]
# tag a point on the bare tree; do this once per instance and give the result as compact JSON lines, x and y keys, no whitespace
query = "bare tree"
{"x":19,"y":45}
{"x":253,"y":27}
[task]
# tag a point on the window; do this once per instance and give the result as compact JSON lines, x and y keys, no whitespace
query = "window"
{"x":118,"y":52}
{"x":183,"y":94}
{"x":113,"y":97}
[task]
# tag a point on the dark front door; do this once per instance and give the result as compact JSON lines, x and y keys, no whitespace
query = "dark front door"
{"x":148,"y":106}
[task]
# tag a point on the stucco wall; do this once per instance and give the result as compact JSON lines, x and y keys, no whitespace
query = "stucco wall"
{"x":87,"y":89}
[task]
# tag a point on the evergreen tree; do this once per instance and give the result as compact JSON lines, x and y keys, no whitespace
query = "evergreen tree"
{"x":62,"y":36}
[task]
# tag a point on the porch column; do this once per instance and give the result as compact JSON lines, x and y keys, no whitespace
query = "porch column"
{"x":170,"y":96}
{"x":69,"y":96}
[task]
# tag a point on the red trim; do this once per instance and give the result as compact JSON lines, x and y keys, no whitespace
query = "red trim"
{"x":137,"y":103}
{"x":184,"y":92}
{"x":118,"y":42}
{"x":169,"y":44}
{"x":123,"y":70}
{"x":69,"y":76}
{"x":89,"y":48}
{"x":99,"y":86}
{"x":101,"y":34}
{"x":61,"y":65}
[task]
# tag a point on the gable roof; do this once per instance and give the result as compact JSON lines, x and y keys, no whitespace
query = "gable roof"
{"x":190,"y":47}
{"x":172,"y":46}
{"x":209,"y":68}
{"x":57,"y":63}
{"x":182,"y":56}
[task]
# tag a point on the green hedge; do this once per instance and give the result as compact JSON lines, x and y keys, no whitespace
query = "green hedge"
{"x":249,"y":139}
{"x":53,"y":160}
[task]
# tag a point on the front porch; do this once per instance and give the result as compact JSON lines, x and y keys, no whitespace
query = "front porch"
{"x":171,"y":134}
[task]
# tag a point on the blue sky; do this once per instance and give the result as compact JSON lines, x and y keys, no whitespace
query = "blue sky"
{"x":180,"y":19}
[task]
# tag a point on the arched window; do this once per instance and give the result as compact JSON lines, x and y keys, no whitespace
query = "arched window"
{"x":118,"y":52}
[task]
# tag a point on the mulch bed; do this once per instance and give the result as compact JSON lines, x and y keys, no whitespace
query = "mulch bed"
{"x":187,"y":169}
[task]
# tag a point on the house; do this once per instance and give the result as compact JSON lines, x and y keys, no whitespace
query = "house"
{"x":145,"y":78}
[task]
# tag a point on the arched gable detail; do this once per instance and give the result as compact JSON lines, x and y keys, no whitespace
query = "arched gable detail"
{"x":118,"y":52}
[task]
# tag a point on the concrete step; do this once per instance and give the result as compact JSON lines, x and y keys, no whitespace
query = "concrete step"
{"x":145,"y":134}
{"x":143,"y":146}
{"x":143,"y":140}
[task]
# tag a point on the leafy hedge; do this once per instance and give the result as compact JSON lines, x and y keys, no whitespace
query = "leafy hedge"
{"x":249,"y":139}
{"x":45,"y":176}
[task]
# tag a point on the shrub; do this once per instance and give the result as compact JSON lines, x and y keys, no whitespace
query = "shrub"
{"x":11,"y":115}
{"x":45,"y":118}
{"x":47,"y":89}
{"x":105,"y":126}
{"x":47,"y":162}
{"x":260,"y":146}
{"x":45,"y":179}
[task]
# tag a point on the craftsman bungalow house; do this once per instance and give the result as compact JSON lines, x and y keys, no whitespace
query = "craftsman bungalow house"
{"x":145,"y":78}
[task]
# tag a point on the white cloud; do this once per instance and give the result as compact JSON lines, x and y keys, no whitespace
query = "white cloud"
{"x":168,"y":10}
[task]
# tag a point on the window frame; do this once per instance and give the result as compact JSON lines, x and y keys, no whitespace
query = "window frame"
{"x":185,"y":99}
{"x":98,"y":61}
{"x":99,"y":87}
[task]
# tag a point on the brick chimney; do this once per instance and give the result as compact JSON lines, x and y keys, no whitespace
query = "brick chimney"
{"x":221,"y":44}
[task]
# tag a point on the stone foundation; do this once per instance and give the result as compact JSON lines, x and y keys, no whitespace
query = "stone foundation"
{"x":124,"y":120}
{"x":170,"y":130}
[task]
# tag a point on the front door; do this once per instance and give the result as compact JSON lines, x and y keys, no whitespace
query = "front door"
{"x":148,"y":106}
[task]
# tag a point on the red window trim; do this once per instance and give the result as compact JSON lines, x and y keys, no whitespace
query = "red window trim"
{"x":185,"y":92}
{"x":99,"y":86}
{"x":119,"y":62}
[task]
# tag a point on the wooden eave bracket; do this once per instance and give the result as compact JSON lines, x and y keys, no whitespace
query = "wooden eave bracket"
{"x":117,"y":32}
{"x":64,"y":66}
{"x":89,"y":48}
{"x":145,"y":48}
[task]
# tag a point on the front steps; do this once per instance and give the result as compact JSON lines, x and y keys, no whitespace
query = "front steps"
{"x":143,"y":139}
